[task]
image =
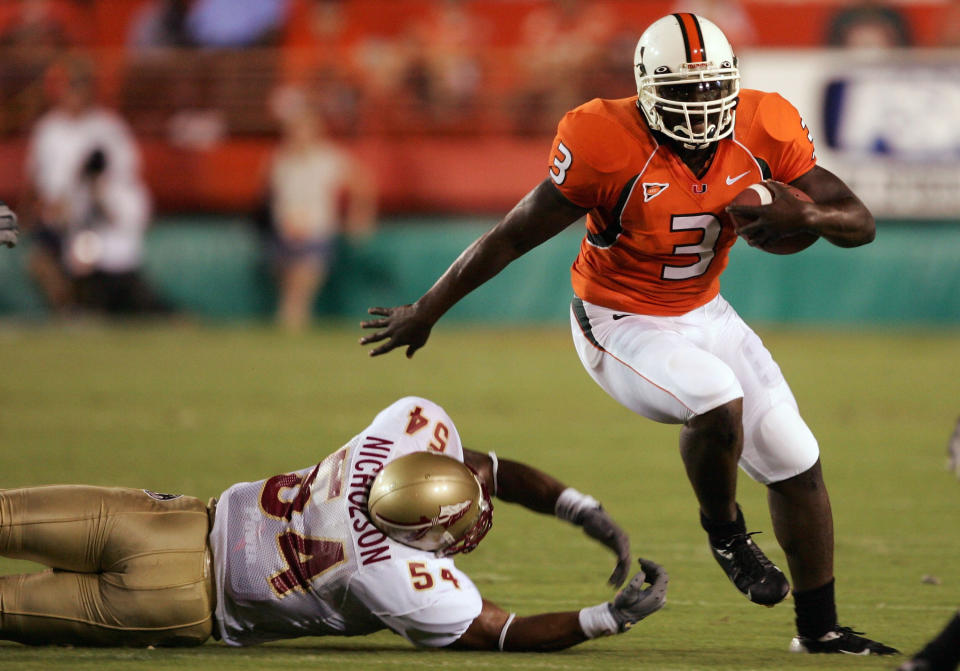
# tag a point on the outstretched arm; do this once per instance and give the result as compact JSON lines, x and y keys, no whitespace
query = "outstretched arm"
{"x":515,"y":482}
{"x":496,"y":629}
{"x":541,"y":214}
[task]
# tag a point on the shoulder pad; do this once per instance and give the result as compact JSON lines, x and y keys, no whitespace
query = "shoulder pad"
{"x":596,"y":138}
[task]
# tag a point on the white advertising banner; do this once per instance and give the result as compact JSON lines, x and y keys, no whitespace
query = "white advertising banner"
{"x":887,"y":122}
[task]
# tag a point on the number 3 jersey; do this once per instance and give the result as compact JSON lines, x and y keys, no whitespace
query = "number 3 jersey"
{"x":657,"y":235}
{"x":296,"y":555}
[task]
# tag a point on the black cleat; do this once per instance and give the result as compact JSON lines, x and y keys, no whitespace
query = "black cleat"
{"x":750,"y":570}
{"x":841,"y":640}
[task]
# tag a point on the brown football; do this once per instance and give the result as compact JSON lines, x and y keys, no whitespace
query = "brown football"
{"x":760,"y":194}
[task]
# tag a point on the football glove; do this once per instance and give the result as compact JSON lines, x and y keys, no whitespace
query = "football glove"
{"x":586,"y":512}
{"x":634,"y":602}
{"x":8,"y":226}
{"x":600,"y":526}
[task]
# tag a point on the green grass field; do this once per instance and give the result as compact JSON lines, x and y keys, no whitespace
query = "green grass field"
{"x":193,"y":409}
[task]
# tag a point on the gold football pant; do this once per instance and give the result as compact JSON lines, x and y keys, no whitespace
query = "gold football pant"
{"x":127,"y":567}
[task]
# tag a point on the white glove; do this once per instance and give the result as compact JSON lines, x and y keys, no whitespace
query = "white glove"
{"x":8,"y":226}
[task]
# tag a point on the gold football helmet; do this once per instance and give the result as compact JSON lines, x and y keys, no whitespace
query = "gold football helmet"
{"x":430,"y":502}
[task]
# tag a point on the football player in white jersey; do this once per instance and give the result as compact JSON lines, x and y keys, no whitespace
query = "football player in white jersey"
{"x":358,"y":543}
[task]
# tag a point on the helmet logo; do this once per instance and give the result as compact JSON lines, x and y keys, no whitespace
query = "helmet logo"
{"x":450,"y":515}
{"x":446,"y":518}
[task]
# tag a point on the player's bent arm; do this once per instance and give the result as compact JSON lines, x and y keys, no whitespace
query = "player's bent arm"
{"x":525,"y":485}
{"x":539,"y":216}
{"x":836,"y":213}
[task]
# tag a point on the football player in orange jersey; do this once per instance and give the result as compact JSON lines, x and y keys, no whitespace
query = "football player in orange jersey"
{"x":654,"y":175}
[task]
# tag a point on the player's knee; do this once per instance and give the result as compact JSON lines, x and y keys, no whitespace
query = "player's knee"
{"x":788,"y":446}
{"x":704,"y":382}
{"x":724,"y":424}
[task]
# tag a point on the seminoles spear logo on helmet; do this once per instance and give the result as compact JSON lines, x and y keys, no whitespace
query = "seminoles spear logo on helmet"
{"x":430,"y":502}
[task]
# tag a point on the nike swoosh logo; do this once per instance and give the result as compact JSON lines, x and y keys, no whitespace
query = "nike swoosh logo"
{"x":732,"y":180}
{"x":620,"y":316}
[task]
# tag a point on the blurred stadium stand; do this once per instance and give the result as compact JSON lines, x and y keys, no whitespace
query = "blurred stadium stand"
{"x":453,"y":104}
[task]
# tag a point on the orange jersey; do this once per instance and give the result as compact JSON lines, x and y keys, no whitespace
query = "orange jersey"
{"x":657,"y":235}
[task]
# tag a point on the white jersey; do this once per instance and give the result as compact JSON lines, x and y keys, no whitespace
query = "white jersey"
{"x":296,"y":555}
{"x":60,"y":143}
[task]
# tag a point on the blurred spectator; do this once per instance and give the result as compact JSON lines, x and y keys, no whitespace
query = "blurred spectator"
{"x":9,"y":231}
{"x":315,"y":191}
{"x":427,"y":77}
{"x":40,"y":24}
{"x":87,"y":208}
{"x":33,"y":34}
{"x":228,"y":24}
{"x":446,"y":72}
{"x":730,"y":15}
{"x":950,"y":26}
{"x":561,"y":43}
{"x":162,"y":23}
{"x":870,"y":24}
{"x":318,"y":50}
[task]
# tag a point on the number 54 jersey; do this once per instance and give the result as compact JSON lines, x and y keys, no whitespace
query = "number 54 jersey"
{"x":296,"y":555}
{"x":657,"y":235}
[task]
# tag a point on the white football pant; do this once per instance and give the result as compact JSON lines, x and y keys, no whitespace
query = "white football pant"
{"x":670,"y":369}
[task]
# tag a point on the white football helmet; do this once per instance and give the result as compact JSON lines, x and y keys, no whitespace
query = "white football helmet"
{"x":687,"y":79}
{"x":430,"y":502}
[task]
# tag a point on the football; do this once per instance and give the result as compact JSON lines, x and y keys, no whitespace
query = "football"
{"x":760,"y":194}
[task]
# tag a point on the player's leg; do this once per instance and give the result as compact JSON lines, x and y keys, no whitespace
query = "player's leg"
{"x":781,"y":452}
{"x":132,"y":568}
{"x":942,"y":653}
{"x":710,"y":445}
{"x":658,"y":368}
{"x":803,"y":523}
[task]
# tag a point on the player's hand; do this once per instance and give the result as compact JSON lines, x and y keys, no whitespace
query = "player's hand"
{"x":402,"y":325}
{"x":786,"y":215}
{"x":9,"y":231}
{"x":634,"y":602}
{"x":599,"y":525}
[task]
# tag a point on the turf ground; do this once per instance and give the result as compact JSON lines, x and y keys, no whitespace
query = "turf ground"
{"x":194,"y":409}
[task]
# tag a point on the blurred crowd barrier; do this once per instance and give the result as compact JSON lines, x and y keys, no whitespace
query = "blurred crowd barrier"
{"x":214,"y":268}
{"x":452,"y":104}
